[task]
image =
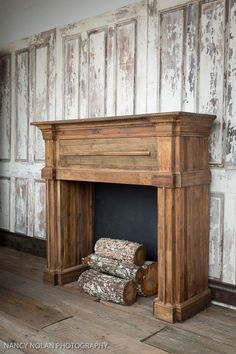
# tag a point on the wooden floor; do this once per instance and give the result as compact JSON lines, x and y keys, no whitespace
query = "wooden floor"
{"x":53,"y":319}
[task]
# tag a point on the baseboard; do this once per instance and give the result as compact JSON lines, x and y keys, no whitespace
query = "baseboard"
{"x":223,"y":292}
{"x":23,"y":243}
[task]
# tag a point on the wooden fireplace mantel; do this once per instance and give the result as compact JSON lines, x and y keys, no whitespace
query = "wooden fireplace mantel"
{"x":166,"y":150}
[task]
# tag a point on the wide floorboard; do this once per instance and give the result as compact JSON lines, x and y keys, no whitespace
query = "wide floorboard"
{"x":37,"y":317}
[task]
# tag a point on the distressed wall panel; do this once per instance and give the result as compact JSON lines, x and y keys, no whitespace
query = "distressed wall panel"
{"x":229,"y":258}
{"x":231,"y":91}
{"x":97,"y":74}
{"x":110,"y":79}
{"x":171,"y":77}
{"x":125,"y":71}
{"x":191,"y":58}
{"x":41,"y":96}
{"x":5,"y":203}
{"x":40,"y":210}
{"x":83,"y":96}
{"x":152,"y":55}
{"x":211,"y":80}
{"x":22,"y":104}
{"x":216,"y":235}
{"x":71,"y":77}
{"x":5,"y":107}
{"x":21,"y":205}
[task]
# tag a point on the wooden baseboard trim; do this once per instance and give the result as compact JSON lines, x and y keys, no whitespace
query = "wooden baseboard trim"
{"x":63,"y":277}
{"x":223,"y":292}
{"x":181,"y":312}
{"x":23,"y":243}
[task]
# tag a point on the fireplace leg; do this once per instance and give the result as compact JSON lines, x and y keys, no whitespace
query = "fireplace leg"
{"x":182,"y":252}
{"x":69,"y":229}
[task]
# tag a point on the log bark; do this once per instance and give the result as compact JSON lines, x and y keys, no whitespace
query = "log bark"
{"x":122,"y":250}
{"x":114,"y":267}
{"x":148,"y":285}
{"x":109,"y":288}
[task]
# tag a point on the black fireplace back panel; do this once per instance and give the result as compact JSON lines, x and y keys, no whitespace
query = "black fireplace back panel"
{"x":126,"y":212}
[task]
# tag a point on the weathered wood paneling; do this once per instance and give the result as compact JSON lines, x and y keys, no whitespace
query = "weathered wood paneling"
{"x":41,"y":96}
{"x":211,"y":80}
{"x":5,"y":107}
{"x":171,"y":77}
{"x":22,"y":104}
{"x":97,"y":73}
{"x":5,"y":203}
{"x":231,"y":90}
{"x":84,"y":76}
{"x":152,"y":55}
{"x":191,"y":58}
{"x":229,"y":258}
{"x":125,"y":71}
{"x":216,"y":235}
{"x":21,"y":205}
{"x":39,"y":209}
{"x":71,"y":77}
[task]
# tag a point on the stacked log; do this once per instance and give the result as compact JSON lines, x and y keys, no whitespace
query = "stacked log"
{"x":118,"y":272}
{"x":107,"y":287}
{"x":148,"y":285}
{"x":122,"y":250}
{"x":114,"y":267}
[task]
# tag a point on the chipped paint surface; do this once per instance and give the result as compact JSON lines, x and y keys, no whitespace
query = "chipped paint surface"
{"x":39,"y":210}
{"x":5,"y":107}
{"x":190,"y":85}
{"x":211,"y":84}
{"x":22,"y":104}
{"x":21,"y":205}
{"x":71,"y":73}
{"x":97,"y":74}
{"x":4,"y":203}
{"x":41,"y":96}
{"x":172,"y":27}
{"x":149,"y":56}
{"x":84,"y":76}
{"x":229,"y":259}
{"x":125,"y":89}
{"x":231,"y":91}
{"x":216,"y":235}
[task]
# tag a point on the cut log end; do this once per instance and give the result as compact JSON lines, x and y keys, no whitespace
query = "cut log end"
{"x":139,"y":276}
{"x":140,"y":255}
{"x":149,"y":283}
{"x":130,"y":293}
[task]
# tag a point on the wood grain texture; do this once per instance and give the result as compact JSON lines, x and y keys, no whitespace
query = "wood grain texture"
{"x":182,"y":187}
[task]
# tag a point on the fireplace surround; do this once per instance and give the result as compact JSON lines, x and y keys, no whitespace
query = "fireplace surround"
{"x":168,"y":151}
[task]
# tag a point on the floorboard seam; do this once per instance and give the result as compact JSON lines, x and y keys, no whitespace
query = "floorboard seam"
{"x":51,"y":324}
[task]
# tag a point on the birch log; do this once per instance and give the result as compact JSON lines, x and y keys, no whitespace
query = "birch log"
{"x":148,"y":285}
{"x":122,"y":250}
{"x":109,"y":288}
{"x":114,"y":267}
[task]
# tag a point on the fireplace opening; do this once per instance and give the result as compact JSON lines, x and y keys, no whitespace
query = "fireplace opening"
{"x":126,"y":212}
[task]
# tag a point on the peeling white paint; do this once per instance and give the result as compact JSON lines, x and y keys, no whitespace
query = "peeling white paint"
{"x":150,"y":56}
